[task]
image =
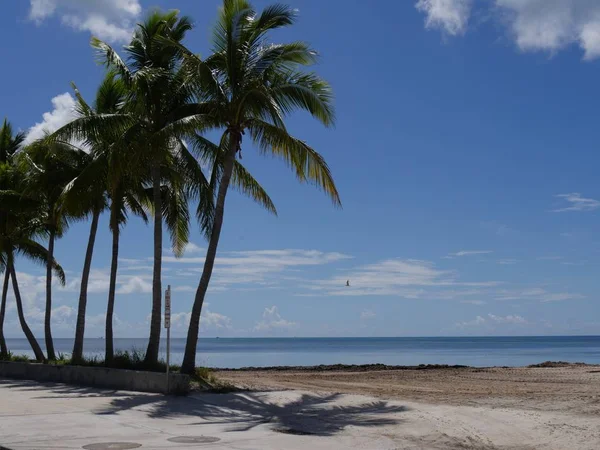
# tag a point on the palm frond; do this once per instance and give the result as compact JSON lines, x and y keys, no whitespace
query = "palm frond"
{"x":307,"y":91}
{"x":108,"y":57}
{"x":38,"y":253}
{"x":245,"y":183}
{"x":306,"y":162}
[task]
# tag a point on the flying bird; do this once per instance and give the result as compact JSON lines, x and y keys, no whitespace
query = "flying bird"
{"x":348,"y":283}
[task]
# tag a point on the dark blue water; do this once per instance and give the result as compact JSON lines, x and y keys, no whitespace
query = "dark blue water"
{"x":472,"y":351}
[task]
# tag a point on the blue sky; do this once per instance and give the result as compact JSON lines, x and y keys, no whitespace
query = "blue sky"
{"x":465,"y":152}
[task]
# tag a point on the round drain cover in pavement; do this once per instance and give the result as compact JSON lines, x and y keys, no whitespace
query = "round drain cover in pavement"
{"x":112,"y":446}
{"x":194,"y":439}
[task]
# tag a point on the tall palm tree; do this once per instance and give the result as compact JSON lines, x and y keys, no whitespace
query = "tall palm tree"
{"x":9,"y":144}
{"x":50,"y":166}
{"x":87,"y":193}
{"x":148,"y":71}
{"x":250,"y":85}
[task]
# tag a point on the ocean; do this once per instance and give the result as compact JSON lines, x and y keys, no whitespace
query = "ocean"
{"x":471,"y":351}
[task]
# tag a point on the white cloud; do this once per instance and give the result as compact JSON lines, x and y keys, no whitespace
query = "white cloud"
{"x":450,"y":16}
{"x":468,"y":253}
{"x":367,"y":314}
{"x":578,"y":203}
{"x":478,"y":321}
{"x":63,"y":112}
{"x":473,"y":302}
{"x":510,"y":319}
{"x":534,"y":25}
{"x":135,"y":284}
{"x":507,"y":262}
{"x":111,"y":20}
{"x":491,"y":321}
{"x":212,"y":320}
{"x":272,"y":320}
{"x":185,"y":289}
{"x":192,"y":248}
{"x":552,"y":25}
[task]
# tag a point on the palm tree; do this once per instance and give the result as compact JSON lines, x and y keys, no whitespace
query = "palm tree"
{"x":50,"y":167}
{"x":148,"y":72}
{"x":125,"y":194}
{"x":9,"y":144}
{"x":249,"y":85}
{"x":21,"y":225}
{"x":87,"y":193}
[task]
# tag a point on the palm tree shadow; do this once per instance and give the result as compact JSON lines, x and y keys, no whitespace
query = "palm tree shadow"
{"x":309,"y":414}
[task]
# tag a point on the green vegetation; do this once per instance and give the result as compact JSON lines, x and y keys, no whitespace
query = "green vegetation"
{"x":141,"y":149}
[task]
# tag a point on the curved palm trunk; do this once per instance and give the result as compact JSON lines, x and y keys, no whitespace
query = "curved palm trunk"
{"x":37,"y":350}
{"x":109,"y":351}
{"x":189,"y":359}
{"x":3,"y":347}
{"x":48,"y":315}
{"x":85,"y":276}
{"x":154,"y":340}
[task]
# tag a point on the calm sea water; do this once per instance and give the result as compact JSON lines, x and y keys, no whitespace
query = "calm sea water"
{"x":472,"y":351}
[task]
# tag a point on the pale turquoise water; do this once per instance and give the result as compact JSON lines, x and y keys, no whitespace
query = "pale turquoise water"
{"x":472,"y":351}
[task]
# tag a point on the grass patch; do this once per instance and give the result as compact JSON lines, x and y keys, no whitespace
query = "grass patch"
{"x":10,"y":357}
{"x":205,"y":380}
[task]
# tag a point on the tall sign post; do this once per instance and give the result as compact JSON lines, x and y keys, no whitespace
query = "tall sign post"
{"x":168,"y":327}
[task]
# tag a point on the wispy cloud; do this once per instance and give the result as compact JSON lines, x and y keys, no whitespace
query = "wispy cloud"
{"x":577,"y":202}
{"x":450,"y":16}
{"x":538,"y":294}
{"x":473,"y":302}
{"x":258,"y":267}
{"x":534,"y":25}
{"x":367,"y":314}
{"x":467,"y":253}
{"x":111,"y":20}
{"x":394,"y":277}
{"x":507,"y":262}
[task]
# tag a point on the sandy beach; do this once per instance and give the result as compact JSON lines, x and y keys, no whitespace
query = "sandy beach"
{"x":462,"y":408}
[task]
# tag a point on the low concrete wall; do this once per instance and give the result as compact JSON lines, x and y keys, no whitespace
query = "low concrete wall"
{"x":126,"y":380}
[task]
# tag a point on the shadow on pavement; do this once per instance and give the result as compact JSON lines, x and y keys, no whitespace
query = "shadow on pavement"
{"x":309,"y":414}
{"x":59,"y":390}
{"x":303,"y":414}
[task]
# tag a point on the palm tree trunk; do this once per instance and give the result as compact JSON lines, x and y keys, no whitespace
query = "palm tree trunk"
{"x":48,"y":315}
{"x":37,"y":350}
{"x":189,"y":359}
{"x":3,"y":347}
{"x":108,"y":333}
{"x":155,"y":319}
{"x":85,"y":276}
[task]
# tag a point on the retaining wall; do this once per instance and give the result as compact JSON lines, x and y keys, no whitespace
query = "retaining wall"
{"x":127,"y":380}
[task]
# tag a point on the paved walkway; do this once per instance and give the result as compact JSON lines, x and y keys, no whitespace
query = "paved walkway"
{"x":54,"y":416}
